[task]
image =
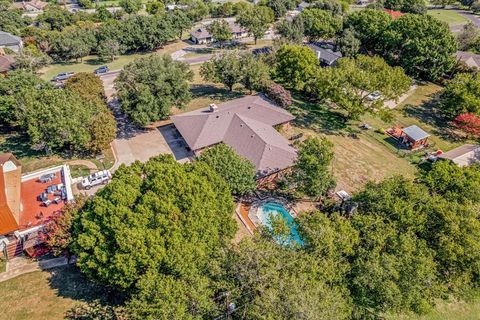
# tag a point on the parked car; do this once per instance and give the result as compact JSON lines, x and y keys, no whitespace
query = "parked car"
{"x":374,"y":96}
{"x":101,"y":177}
{"x":63,"y":76}
{"x":102,"y":69}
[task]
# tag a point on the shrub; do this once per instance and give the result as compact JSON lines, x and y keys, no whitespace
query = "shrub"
{"x":279,"y":94}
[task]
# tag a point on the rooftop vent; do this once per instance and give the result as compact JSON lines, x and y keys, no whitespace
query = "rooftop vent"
{"x":213,"y":107}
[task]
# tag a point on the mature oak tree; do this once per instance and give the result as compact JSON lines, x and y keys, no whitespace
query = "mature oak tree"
{"x":350,"y":84}
{"x":257,"y":20}
{"x":150,"y":86}
{"x":238,"y":172}
{"x":159,"y":229}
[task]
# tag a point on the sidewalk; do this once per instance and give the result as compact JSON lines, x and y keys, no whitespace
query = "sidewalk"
{"x":21,"y":265}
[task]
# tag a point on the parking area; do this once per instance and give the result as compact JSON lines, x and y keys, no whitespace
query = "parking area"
{"x":149,"y":143}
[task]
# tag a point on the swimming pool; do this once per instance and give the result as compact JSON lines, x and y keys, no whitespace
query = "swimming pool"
{"x":269,"y":209}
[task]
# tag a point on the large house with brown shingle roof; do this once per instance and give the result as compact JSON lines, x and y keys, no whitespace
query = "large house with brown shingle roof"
{"x":246,"y":125}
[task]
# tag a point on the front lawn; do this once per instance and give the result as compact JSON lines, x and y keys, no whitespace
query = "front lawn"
{"x":46,"y":294}
{"x":90,"y":63}
{"x":449,"y":16}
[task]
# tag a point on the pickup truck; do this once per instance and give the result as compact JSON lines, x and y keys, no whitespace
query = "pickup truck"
{"x":63,"y":76}
{"x":101,"y":177}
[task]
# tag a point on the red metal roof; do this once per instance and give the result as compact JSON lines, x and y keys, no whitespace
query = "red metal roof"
{"x":394,"y":14}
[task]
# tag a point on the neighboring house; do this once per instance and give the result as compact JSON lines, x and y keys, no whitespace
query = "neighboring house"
{"x":27,"y":202}
{"x":35,"y":6}
{"x":245,"y":124}
{"x":414,"y":137}
{"x":202,"y":36}
{"x":325,"y":53}
{"x":471,"y":60}
{"x":463,"y":156}
{"x":9,"y":41}
{"x":6,"y":63}
{"x":394,"y":14}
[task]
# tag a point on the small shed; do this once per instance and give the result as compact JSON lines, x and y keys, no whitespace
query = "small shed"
{"x":414,"y":137}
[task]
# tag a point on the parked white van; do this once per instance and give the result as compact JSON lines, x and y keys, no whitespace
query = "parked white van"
{"x":100,"y":177}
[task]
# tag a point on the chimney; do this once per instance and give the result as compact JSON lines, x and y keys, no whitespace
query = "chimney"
{"x":213,"y":107}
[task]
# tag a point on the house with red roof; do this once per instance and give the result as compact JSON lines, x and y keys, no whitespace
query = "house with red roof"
{"x":27,"y":202}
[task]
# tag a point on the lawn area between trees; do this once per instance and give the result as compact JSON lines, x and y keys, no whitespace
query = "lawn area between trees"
{"x":361,"y":156}
{"x":90,"y":63}
{"x":32,"y":160}
{"x":451,"y":17}
{"x":50,"y":294}
{"x":46,"y":294}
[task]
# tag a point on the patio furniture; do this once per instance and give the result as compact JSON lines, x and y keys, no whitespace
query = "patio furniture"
{"x":57,"y":200}
{"x":43,"y":197}
{"x":47,"y":177}
{"x":47,"y":203}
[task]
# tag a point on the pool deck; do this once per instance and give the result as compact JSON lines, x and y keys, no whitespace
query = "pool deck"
{"x":246,"y":212}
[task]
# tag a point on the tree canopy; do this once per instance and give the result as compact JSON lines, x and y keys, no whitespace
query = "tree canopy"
{"x":238,"y":172}
{"x":295,"y":65}
{"x":368,"y":25}
{"x":320,"y":24}
{"x":311,"y":174}
{"x":168,"y":223}
{"x":350,"y":84}
{"x":421,"y":44}
{"x":461,"y":95}
{"x":150,"y":86}
{"x":257,"y":20}
{"x":236,"y":67}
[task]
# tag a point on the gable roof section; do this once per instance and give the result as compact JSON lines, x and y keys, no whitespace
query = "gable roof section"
{"x":415,"y":133}
{"x":202,"y":32}
{"x":202,"y":128}
{"x":259,"y":143}
{"x":463,"y":155}
{"x":9,"y":39}
{"x":245,"y":124}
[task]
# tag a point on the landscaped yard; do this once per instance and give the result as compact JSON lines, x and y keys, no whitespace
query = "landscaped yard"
{"x":46,"y":295}
{"x":449,"y":16}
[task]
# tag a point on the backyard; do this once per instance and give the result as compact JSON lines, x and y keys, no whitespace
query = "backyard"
{"x":365,"y":155}
{"x":32,"y":160}
{"x":50,"y":294}
{"x":46,"y":294}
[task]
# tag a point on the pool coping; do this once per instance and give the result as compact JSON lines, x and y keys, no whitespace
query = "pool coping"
{"x":255,"y":205}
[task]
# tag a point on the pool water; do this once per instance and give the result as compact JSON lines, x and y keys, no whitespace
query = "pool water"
{"x":272,"y":209}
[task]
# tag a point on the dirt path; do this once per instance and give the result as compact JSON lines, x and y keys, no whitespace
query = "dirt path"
{"x":87,"y":163}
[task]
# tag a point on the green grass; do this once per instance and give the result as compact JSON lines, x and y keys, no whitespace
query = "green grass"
{"x":32,"y":160}
{"x":79,"y":171}
{"x":358,"y":159}
{"x":46,"y":295}
{"x":418,"y":109}
{"x":449,"y":16}
{"x":90,"y":63}
{"x":3,"y":265}
{"x":446,"y":310}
